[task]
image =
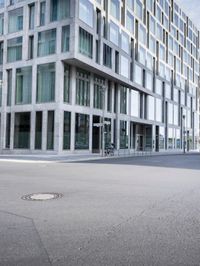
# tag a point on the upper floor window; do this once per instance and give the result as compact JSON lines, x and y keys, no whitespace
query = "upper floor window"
{"x":85,"y":43}
{"x":2,"y":3}
{"x":14,"y":49}
{"x":1,"y":24}
{"x":59,"y":9}
{"x":42,"y":13}
{"x":115,"y":8}
{"x":15,"y":20}
{"x":86,"y":12}
{"x":47,"y":42}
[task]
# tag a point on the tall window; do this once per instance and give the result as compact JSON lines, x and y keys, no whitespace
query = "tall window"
{"x":23,"y":85}
{"x":65,"y":38}
{"x":14,"y":49}
{"x":107,"y":56}
{"x":66,"y":83}
{"x":1,"y":53}
{"x":98,"y":92}
{"x":1,"y":83}
{"x":82,"y":88}
{"x":38,"y":130}
{"x":8,"y":126}
{"x":9,"y":87}
{"x":82,"y":132}
{"x":115,"y":8}
{"x":123,"y":100}
{"x":31,"y":16}
{"x":22,"y":130}
{"x":42,"y":13}
{"x":50,"y":130}
{"x":1,"y":24}
{"x":66,"y":131}
{"x":85,"y":43}
{"x":123,"y":135}
{"x":86,"y":12}
{"x":15,"y":20}
{"x":46,"y":83}
{"x":59,"y":9}
{"x":47,"y":42}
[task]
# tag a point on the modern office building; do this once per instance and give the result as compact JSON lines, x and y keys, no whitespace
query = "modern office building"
{"x":68,"y":65}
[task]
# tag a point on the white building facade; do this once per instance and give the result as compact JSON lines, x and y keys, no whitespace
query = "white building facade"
{"x":68,"y":65}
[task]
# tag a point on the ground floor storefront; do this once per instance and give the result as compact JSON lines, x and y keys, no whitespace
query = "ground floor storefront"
{"x":70,"y":132}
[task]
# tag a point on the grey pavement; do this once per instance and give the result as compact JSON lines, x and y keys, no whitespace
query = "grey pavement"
{"x":125,"y":211}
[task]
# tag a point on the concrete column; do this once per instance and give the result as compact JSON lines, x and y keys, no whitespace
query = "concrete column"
{"x":73,"y":102}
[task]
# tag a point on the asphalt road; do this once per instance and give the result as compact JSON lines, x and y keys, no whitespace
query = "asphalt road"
{"x":127,"y":211}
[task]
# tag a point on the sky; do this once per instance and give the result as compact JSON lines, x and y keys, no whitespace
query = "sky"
{"x":192,"y":10}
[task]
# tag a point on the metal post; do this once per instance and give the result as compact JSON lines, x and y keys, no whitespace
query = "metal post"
{"x":184,"y":134}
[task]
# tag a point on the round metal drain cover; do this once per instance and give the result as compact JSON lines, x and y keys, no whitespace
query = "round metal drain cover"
{"x":42,"y":196}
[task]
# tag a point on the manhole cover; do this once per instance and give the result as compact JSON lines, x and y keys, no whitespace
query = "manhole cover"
{"x":42,"y":196}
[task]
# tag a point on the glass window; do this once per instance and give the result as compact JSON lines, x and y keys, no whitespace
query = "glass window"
{"x":149,"y":81}
{"x":31,"y":16}
{"x":15,"y":20}
{"x":130,"y":4}
{"x":82,"y":132}
{"x":124,"y":66}
{"x":138,"y":76}
{"x":170,"y":113}
{"x":86,"y":11}
{"x":22,"y":131}
{"x":46,"y":83}
{"x":9,"y":87}
{"x":42,"y":13}
{"x":65,"y":38}
{"x":115,"y":8}
{"x":114,"y":33}
{"x":139,"y":9}
{"x":85,"y":43}
{"x":1,"y":24}
{"x":134,"y":103}
{"x":66,"y":131}
{"x":1,"y":83}
{"x":66,"y":84}
{"x":158,"y":110}
{"x":59,"y":9}
{"x":1,"y":52}
{"x":125,"y":42}
{"x":159,"y":87}
{"x":47,"y":42}
{"x":99,"y":84}
{"x":82,"y":88}
{"x":23,"y":85}
{"x":151,"y":107}
{"x":107,"y":55}
{"x":38,"y":130}
{"x":142,"y":55}
{"x":123,"y":134}
{"x":152,"y":25}
{"x":162,"y":138}
{"x":50,"y":130}
{"x":142,"y":35}
{"x":130,"y":22}
{"x":123,"y":100}
{"x":14,"y":51}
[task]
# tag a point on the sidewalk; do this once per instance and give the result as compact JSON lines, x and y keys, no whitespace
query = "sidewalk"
{"x":39,"y":158}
